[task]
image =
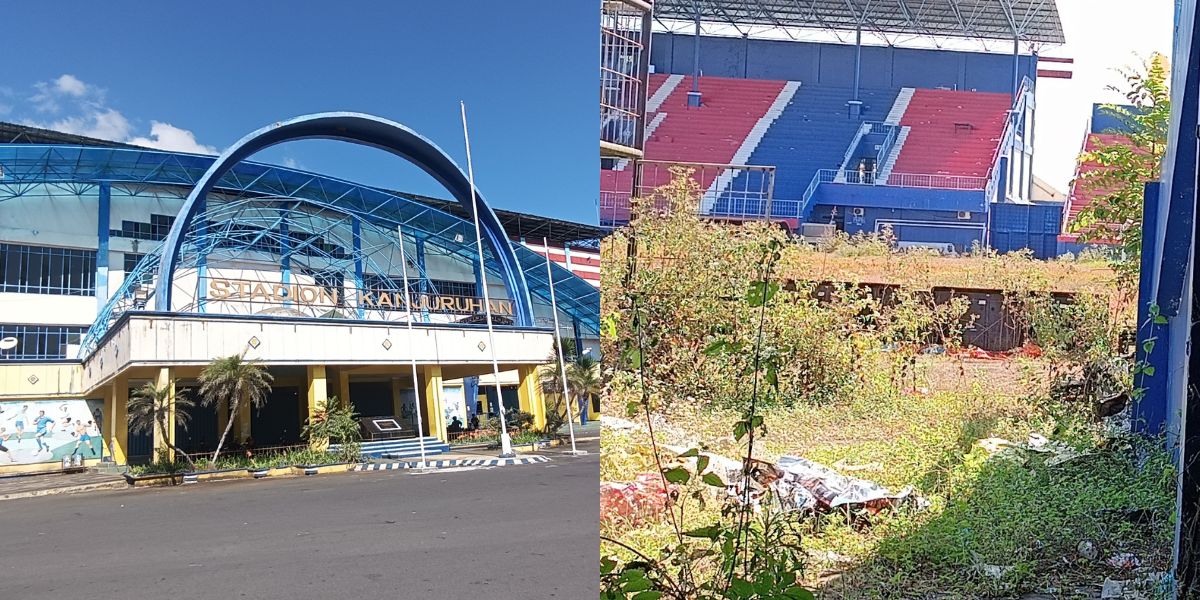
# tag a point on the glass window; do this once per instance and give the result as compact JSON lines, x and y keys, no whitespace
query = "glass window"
{"x":36,"y":270}
{"x":39,"y":342}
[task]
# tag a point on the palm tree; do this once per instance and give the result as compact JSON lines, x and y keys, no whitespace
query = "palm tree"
{"x":150,"y":410}
{"x":583,"y":382}
{"x":550,"y":378}
{"x":231,"y":381}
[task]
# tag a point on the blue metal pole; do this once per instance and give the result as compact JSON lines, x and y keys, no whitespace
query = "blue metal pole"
{"x":857,"y":57}
{"x":103,"y":215}
{"x":356,"y":233}
{"x":285,"y":251}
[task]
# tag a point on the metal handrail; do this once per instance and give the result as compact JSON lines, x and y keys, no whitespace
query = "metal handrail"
{"x":1006,"y":138}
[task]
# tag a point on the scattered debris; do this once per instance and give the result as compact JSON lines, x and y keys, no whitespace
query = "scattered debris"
{"x":1124,"y":560}
{"x":842,"y":465}
{"x":641,"y":500}
{"x":1087,"y":550}
{"x":1055,"y":452}
{"x":993,"y":571}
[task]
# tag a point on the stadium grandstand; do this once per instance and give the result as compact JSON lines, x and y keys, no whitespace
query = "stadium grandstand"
{"x":1106,"y":127}
{"x":852,"y":116}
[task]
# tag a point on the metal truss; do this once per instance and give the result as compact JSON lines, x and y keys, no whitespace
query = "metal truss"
{"x":1032,"y":21}
{"x":246,"y":218}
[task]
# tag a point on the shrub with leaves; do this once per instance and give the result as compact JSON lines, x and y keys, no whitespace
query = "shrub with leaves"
{"x":334,"y":423}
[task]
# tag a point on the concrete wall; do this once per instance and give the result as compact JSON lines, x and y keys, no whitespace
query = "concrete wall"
{"x":19,"y":381}
{"x":833,"y":64}
{"x":155,"y":339}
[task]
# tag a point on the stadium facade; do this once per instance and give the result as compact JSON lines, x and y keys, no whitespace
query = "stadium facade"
{"x":121,"y":265}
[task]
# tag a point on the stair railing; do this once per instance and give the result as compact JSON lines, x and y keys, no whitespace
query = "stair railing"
{"x":1015,"y":115}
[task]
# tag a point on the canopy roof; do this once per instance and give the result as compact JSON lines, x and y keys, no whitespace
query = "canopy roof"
{"x":1026,"y":20}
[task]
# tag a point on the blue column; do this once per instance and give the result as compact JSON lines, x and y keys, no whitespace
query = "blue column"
{"x":201,"y":260}
{"x":356,"y":232}
{"x":1150,"y":411}
{"x":578,"y":336}
{"x":423,"y":276}
{"x":103,"y":215}
{"x":285,"y":251}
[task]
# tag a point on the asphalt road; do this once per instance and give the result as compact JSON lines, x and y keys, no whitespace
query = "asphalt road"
{"x":525,"y":531}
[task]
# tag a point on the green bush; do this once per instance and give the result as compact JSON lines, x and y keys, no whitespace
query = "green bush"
{"x":336,"y":424}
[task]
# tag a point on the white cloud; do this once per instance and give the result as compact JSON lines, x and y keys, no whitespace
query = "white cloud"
{"x":70,"y":85}
{"x":290,"y":163}
{"x":165,"y":136}
{"x":106,"y":124}
{"x":85,"y":112}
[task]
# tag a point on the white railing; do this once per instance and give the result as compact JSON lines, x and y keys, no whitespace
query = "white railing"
{"x":748,"y":196}
{"x":1006,"y":138}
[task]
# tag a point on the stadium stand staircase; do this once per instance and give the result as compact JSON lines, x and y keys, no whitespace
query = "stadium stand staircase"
{"x":952,"y":132}
{"x":812,"y":133}
{"x":400,"y":448}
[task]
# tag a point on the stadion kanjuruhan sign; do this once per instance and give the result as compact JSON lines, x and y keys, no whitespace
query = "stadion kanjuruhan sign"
{"x":241,"y":290}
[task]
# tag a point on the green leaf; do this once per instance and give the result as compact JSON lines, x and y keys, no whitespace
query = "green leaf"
{"x":708,"y":532}
{"x":637,"y":585}
{"x":677,"y":475}
{"x":647,"y":595}
{"x":798,"y":593}
{"x":742,"y":588}
{"x":717,"y":347}
{"x":690,"y":453}
{"x":713,"y":479}
{"x":739,"y":430}
{"x":633,"y":356}
{"x":1160,"y":320}
{"x":701,"y":463}
{"x":761,"y":293}
{"x":1148,"y":370}
{"x":631,"y":408}
{"x":607,"y":564}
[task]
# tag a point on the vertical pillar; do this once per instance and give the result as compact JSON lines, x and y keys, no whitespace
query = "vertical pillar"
{"x":529,"y":393}
{"x":423,"y":281}
{"x":857,"y":56}
{"x":356,"y":233}
{"x":117,"y":421}
{"x":201,"y":226}
{"x":285,"y":251}
{"x":435,"y":419}
{"x":162,"y":447}
{"x":317,"y":391}
{"x":397,"y":399}
{"x":343,"y":387}
{"x":102,"y":218}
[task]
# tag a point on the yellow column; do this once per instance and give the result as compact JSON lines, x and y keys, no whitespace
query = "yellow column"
{"x":117,"y":422}
{"x":317,"y":392}
{"x":593,"y":414}
{"x":343,"y":387}
{"x":397,"y":400}
{"x":529,"y":392}
{"x":436,"y":419}
{"x":162,"y":447}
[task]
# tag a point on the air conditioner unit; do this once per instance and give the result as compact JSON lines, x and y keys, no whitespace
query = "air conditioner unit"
{"x":964,"y":215}
{"x":857,"y":211}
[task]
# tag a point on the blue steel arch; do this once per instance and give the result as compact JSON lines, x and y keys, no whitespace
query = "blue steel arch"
{"x":366,"y":130}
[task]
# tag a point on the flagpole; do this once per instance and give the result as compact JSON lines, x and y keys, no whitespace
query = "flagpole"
{"x":506,"y":450}
{"x":562,"y":363}
{"x":412,"y":357}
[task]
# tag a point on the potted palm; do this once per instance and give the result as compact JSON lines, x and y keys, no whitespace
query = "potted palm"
{"x":149,"y":411}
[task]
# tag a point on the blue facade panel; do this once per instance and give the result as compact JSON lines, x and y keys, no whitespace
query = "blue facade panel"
{"x":833,"y":64}
{"x":899,"y":198}
{"x":1027,"y":226}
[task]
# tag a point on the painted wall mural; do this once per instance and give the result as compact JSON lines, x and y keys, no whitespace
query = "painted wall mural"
{"x":43,"y":431}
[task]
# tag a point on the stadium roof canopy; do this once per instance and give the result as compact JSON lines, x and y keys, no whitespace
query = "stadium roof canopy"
{"x":517,"y":225}
{"x":1024,"y":20}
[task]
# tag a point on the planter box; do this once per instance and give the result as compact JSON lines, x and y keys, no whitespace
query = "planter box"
{"x":154,"y":479}
{"x":314,"y":469}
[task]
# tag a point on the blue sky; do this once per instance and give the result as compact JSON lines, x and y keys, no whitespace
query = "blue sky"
{"x":183,"y":77}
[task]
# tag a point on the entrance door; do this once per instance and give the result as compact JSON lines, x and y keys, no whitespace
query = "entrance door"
{"x":277,"y":422}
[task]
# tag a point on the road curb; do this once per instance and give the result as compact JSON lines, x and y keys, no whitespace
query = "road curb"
{"x":69,"y":489}
{"x":454,"y":462}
